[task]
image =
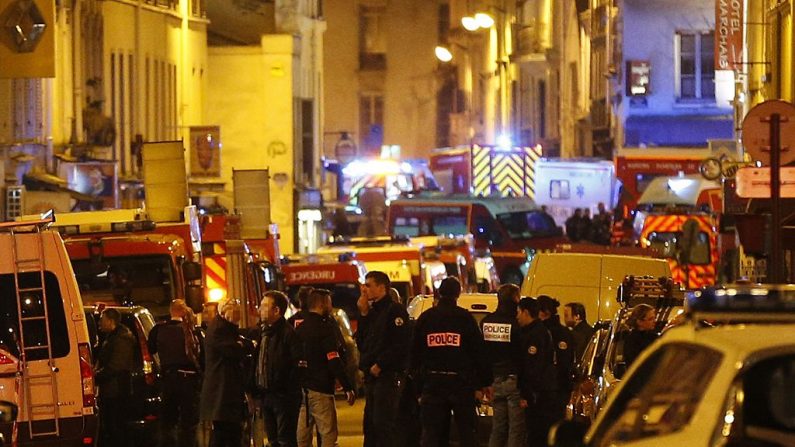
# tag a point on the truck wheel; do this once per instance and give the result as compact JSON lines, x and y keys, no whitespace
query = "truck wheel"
{"x":512,"y":276}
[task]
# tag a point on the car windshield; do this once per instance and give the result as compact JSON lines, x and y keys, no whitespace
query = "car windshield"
{"x":146,"y":281}
{"x":667,"y":243}
{"x":527,"y":224}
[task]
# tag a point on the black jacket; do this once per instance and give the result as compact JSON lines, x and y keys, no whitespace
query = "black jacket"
{"x":281,"y":348}
{"x":635,"y":342}
{"x":538,"y":370}
{"x":501,"y":334}
{"x":383,"y":337}
{"x":581,"y":335}
{"x":115,"y":362}
{"x":320,"y":361}
{"x":563,"y":343}
{"x":222,"y":394}
{"x":175,"y":352}
{"x":447,"y":341}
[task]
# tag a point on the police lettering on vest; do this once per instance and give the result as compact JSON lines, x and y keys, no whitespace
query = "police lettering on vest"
{"x":440,"y":339}
{"x":497,"y":332}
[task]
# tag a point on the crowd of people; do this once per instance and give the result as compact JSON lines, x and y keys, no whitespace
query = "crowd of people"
{"x":581,"y":227}
{"x":419,"y":376}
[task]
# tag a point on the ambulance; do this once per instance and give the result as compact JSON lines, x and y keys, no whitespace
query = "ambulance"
{"x":340,"y":275}
{"x":677,"y":216}
{"x":396,"y":257}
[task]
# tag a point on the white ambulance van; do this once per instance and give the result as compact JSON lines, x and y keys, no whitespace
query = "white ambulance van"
{"x":45,"y":355}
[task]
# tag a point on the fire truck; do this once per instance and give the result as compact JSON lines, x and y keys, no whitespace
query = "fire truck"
{"x":124,"y":257}
{"x":341,"y":275}
{"x":396,"y":257}
{"x":486,"y":170}
{"x":677,"y":216}
{"x":507,"y":228}
{"x":476,"y":271}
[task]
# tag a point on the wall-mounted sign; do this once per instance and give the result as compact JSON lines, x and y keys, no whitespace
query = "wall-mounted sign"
{"x":638,"y":78}
{"x":205,"y":151}
{"x":728,"y":34}
{"x":27,"y":38}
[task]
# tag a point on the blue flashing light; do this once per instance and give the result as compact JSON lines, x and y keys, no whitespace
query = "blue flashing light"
{"x":743,"y":298}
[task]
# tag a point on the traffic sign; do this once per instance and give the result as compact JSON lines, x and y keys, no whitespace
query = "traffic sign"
{"x":756,"y":130}
{"x":345,"y":149}
{"x":754,"y":183}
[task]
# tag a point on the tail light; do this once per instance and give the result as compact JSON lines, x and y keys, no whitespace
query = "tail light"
{"x":86,"y":375}
{"x":6,"y":359}
{"x":149,"y":370}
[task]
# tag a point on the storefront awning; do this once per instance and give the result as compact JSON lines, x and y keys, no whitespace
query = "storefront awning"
{"x":683,"y":130}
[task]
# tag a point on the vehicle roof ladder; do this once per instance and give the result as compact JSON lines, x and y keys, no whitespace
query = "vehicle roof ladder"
{"x":44,"y":383}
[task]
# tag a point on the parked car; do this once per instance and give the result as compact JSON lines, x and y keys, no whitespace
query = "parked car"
{"x":729,"y":382}
{"x":144,"y":403}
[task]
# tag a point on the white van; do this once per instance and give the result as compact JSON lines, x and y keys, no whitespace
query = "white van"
{"x":45,"y":355}
{"x":591,"y":279}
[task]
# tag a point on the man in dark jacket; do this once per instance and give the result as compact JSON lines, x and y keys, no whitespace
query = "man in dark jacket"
{"x":501,"y":333}
{"x":537,"y":381}
{"x":581,"y":331}
{"x":564,"y":354}
{"x":383,"y":339}
{"x":178,"y":348}
{"x":114,"y":364}
{"x":319,"y":366}
{"x":448,"y":355}
{"x":222,"y":397}
{"x":275,"y":377}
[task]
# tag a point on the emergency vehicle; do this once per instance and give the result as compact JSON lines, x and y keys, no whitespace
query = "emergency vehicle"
{"x":563,"y":185}
{"x":677,"y":217}
{"x":475,"y":271}
{"x":723,"y":376}
{"x":123,"y":257}
{"x":46,"y":366}
{"x":506,"y":227}
{"x":486,"y":170}
{"x":340,"y":275}
{"x":397,"y":257}
{"x":637,"y":167}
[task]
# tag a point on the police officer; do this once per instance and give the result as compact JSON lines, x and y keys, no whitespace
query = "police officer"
{"x":178,"y":347}
{"x":319,"y":366}
{"x":114,"y":365}
{"x":537,"y":381}
{"x":501,"y":333}
{"x":448,"y":355}
{"x":563,"y":342}
{"x":383,"y":339}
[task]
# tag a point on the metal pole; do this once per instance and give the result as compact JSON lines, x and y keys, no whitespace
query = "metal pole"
{"x":774,"y":269}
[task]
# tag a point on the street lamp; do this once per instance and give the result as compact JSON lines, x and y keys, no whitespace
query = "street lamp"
{"x":484,"y":20}
{"x":470,"y":23}
{"x":443,"y":53}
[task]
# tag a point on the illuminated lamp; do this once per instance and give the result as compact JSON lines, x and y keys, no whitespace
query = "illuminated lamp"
{"x":443,"y":54}
{"x":216,"y":295}
{"x":484,"y":20}
{"x":469,"y":23}
{"x":504,"y":141}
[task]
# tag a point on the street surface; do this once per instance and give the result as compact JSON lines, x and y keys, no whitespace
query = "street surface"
{"x":350,"y":423}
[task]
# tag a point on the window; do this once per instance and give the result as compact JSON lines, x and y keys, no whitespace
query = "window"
{"x":667,"y":243}
{"x":768,"y":412}
{"x":527,"y":224}
{"x":559,"y":189}
{"x":662,"y":396}
{"x":371,"y":122}
{"x":407,"y":226}
{"x":372,"y":38}
{"x":695,"y":66}
{"x":34,"y":332}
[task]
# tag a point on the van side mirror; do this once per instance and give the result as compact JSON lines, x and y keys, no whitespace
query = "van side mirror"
{"x":194,"y":297}
{"x":192,"y":271}
{"x":568,"y":433}
{"x":8,"y":411}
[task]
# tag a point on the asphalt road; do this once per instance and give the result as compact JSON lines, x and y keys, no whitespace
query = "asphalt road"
{"x":349,"y":420}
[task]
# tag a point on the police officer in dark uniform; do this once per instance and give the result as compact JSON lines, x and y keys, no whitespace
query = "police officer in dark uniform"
{"x":178,"y":348}
{"x":448,"y":355}
{"x":537,"y":381}
{"x":563,"y":341}
{"x":501,"y":334}
{"x":383,"y":340}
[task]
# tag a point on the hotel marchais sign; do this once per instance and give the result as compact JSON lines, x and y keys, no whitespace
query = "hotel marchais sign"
{"x":27,"y":38}
{"x":728,"y":34}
